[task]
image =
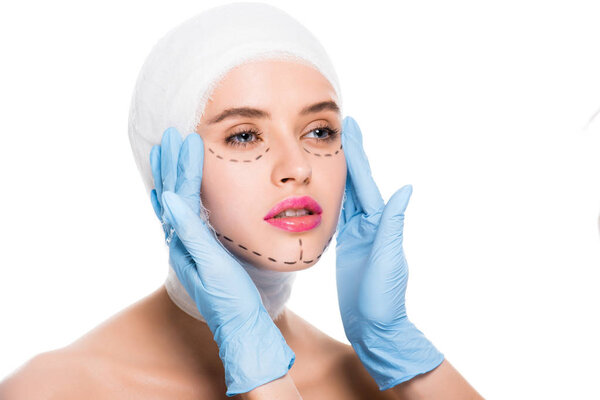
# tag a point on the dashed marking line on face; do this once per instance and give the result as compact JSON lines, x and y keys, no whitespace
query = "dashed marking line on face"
{"x":299,"y":240}
{"x":259,"y":156}
{"x":275,"y":260}
{"x":324,"y":154}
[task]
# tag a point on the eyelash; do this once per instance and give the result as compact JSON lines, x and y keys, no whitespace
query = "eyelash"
{"x":332,"y":135}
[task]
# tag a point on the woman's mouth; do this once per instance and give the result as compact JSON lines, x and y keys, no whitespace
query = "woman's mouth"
{"x":292,"y":212}
{"x":295,"y":214}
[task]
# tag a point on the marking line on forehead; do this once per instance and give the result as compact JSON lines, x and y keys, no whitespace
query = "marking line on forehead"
{"x":250,"y":112}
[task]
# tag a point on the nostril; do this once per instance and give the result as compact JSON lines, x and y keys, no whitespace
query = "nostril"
{"x":306,"y":180}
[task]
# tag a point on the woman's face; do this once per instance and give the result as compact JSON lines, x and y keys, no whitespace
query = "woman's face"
{"x":283,"y":142}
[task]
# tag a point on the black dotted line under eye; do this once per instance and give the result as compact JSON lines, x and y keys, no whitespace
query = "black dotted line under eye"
{"x":274,"y":260}
{"x":325,"y":154}
{"x":259,"y":156}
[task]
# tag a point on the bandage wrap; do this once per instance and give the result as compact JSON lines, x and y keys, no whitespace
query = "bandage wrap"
{"x":179,"y":76}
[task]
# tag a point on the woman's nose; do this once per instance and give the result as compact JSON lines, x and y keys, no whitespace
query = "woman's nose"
{"x":291,"y":165}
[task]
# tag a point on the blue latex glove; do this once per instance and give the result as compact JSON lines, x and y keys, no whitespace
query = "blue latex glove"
{"x":372,"y":274}
{"x":251,"y":347}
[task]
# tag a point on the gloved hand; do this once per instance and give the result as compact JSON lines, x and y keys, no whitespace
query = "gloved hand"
{"x":251,"y":347}
{"x":372,"y":274}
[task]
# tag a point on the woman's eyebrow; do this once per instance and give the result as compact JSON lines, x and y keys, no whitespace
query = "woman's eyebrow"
{"x":257,"y":113}
{"x":320,"y":106}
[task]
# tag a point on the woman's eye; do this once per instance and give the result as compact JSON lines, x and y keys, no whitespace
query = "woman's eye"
{"x":322,"y":134}
{"x":242,"y":139}
{"x":325,"y":134}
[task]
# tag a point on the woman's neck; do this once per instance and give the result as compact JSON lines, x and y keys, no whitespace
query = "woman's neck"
{"x":198,"y":331}
{"x":274,"y":288}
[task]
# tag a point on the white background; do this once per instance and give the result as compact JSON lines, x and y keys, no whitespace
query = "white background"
{"x":482,"y":106}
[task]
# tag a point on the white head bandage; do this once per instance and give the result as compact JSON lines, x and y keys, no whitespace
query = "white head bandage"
{"x":181,"y":73}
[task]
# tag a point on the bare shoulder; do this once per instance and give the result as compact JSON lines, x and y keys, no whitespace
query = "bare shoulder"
{"x":77,"y":372}
{"x":135,"y":354}
{"x":50,"y":375}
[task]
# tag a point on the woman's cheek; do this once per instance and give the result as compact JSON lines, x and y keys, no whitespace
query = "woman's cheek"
{"x":338,"y":178}
{"x":226,"y":193}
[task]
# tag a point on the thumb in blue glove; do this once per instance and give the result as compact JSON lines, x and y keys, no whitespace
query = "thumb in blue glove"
{"x":251,"y":347}
{"x":387,"y":269}
{"x":372,"y":275}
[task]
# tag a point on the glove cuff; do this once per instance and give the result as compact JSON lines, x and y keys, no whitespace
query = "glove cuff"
{"x":391,"y":361}
{"x":255,"y":356}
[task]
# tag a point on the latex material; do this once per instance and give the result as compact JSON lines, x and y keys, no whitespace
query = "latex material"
{"x":372,"y":275}
{"x":274,"y":287}
{"x":251,"y":347}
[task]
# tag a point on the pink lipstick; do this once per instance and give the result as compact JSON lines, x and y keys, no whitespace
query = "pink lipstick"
{"x":295,"y":214}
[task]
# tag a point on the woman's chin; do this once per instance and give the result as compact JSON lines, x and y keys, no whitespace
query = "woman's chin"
{"x":281,"y":263}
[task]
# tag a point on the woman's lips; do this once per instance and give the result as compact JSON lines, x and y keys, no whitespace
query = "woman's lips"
{"x":295,"y":224}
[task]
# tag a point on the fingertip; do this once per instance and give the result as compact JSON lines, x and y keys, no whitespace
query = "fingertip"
{"x":172,"y":132}
{"x":194,"y":146}
{"x":348,"y":120}
{"x":401,"y":198}
{"x":352,"y":129}
{"x":171,"y":136}
{"x":195,"y":138}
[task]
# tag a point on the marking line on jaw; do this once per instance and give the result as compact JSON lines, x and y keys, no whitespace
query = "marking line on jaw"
{"x":273,"y":259}
{"x":299,"y":239}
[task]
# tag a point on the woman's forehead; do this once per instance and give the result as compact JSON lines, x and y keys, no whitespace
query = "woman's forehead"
{"x":264,"y":88}
{"x":269,"y":81}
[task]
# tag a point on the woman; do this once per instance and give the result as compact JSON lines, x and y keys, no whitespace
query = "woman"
{"x":267,"y":138}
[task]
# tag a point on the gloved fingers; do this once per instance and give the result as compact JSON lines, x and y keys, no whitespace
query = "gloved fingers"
{"x":189,"y":171}
{"x":359,"y":171}
{"x":158,"y":211}
{"x":212,"y":260}
{"x":222,"y":285}
{"x":350,"y":205}
{"x":390,"y":233}
{"x":349,"y":208}
{"x":384,"y":280}
{"x":189,"y":226}
{"x":156,"y":175}
{"x":184,"y":266}
{"x":169,"y":152}
{"x":156,"y":204}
